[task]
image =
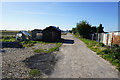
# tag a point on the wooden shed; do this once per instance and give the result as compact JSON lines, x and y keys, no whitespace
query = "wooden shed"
{"x":51,"y":34}
{"x":37,"y":34}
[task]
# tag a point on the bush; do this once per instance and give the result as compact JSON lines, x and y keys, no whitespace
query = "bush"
{"x":107,"y":51}
{"x":115,"y":45}
{"x":34,"y":73}
{"x":116,"y":62}
{"x":117,"y":49}
{"x":101,"y":44}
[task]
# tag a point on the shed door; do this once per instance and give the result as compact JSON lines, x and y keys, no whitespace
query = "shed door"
{"x":53,"y":36}
{"x":39,"y":36}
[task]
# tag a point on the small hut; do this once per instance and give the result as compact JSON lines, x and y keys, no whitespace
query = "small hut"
{"x":51,"y":34}
{"x":37,"y":34}
{"x":22,"y":35}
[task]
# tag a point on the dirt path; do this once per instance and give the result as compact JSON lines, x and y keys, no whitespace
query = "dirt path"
{"x":78,"y":61}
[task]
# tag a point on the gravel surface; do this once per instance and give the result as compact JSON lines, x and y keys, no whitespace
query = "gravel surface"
{"x":78,"y":61}
{"x":12,"y":65}
{"x":17,"y":62}
{"x":45,"y":46}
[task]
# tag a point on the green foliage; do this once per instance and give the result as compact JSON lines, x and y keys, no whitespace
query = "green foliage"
{"x":115,"y":45}
{"x":74,"y":30}
{"x":38,"y":50}
{"x":100,"y":29}
{"x":8,"y":39}
{"x":40,"y":42}
{"x":106,"y":51}
{"x":70,"y":31}
{"x":84,"y":28}
{"x":93,"y":29}
{"x":29,"y":43}
{"x":101,"y":44}
{"x":55,"y":48}
{"x":34,"y":73}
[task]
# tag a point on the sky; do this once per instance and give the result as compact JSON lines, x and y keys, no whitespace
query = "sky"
{"x":38,"y":15}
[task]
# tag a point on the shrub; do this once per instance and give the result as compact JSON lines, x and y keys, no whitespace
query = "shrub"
{"x":116,"y":62}
{"x":101,"y":44}
{"x":115,"y":45}
{"x":107,"y":51}
{"x":117,"y":49}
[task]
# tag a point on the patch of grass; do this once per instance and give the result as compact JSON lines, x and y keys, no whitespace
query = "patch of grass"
{"x":8,"y":39}
{"x":38,"y":50}
{"x":40,"y":42}
{"x":27,"y":43}
{"x":30,"y":43}
{"x":56,"y":48}
{"x":34,"y":73}
{"x":110,"y":54}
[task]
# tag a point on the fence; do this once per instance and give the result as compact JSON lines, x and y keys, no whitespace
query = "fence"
{"x":107,"y":38}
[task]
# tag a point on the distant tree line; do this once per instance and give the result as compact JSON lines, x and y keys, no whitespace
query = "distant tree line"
{"x":84,"y":29}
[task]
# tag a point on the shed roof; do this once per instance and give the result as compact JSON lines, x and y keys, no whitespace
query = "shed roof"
{"x":53,"y":27}
{"x":25,"y":33}
{"x":37,"y":30}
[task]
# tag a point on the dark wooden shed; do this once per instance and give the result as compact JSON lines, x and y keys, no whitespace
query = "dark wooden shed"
{"x":51,"y":34}
{"x":37,"y":34}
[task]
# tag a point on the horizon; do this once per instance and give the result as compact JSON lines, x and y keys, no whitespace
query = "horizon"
{"x":36,"y":15}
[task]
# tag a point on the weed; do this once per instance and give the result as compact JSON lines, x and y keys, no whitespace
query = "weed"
{"x":34,"y":73}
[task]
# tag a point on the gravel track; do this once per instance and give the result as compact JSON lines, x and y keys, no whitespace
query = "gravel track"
{"x":78,"y":61}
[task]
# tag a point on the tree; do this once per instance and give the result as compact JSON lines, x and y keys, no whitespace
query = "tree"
{"x":84,"y":28}
{"x":100,"y":29}
{"x":74,"y":30}
{"x":93,"y":29}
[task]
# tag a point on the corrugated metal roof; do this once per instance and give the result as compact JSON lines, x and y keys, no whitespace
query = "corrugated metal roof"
{"x":25,"y":33}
